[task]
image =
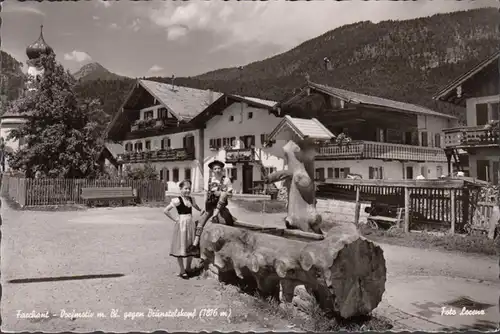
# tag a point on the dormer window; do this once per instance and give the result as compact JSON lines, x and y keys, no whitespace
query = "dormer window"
{"x":250,"y":115}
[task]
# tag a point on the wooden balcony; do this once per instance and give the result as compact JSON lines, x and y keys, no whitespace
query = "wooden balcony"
{"x":239,"y":155}
{"x":176,"y":154}
{"x":471,"y":137}
{"x":157,"y":123}
{"x":383,"y":151}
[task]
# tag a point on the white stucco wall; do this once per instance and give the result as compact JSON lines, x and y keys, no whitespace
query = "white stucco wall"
{"x":176,"y":142}
{"x":434,"y":125}
{"x":220,"y":126}
{"x":471,"y":107}
{"x":391,"y":170}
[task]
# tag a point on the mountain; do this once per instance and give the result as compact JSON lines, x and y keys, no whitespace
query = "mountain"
{"x":94,"y":71}
{"x":407,"y":60}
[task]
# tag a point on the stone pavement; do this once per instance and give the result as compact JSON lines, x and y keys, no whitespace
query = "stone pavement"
{"x":436,"y":303}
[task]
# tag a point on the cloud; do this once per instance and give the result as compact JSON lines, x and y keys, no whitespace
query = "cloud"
{"x":285,"y":23}
{"x":24,"y":9}
{"x":104,"y":3}
{"x":136,"y":25}
{"x":95,"y":17}
{"x":175,"y":32}
{"x":155,"y":68}
{"x":114,"y":26}
{"x":78,"y":56}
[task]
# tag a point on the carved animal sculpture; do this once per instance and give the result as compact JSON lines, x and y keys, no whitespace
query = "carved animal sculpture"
{"x":301,"y":209}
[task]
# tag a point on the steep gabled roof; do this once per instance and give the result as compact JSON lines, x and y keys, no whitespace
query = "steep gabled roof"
{"x":445,"y":92}
{"x":304,"y":128}
{"x":358,"y":98}
{"x":222,"y":102}
{"x":184,"y":102}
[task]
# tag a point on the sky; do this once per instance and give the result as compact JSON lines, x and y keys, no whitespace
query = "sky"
{"x":186,"y":38}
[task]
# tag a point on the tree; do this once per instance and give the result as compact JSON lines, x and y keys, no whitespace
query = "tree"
{"x":61,"y":136}
{"x":148,"y":172}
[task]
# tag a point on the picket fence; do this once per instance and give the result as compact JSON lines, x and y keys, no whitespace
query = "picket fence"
{"x":39,"y":192}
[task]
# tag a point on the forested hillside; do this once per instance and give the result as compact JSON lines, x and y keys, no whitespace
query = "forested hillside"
{"x":401,"y":60}
{"x":11,"y":79}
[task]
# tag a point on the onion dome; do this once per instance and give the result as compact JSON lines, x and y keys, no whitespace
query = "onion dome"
{"x":39,"y":47}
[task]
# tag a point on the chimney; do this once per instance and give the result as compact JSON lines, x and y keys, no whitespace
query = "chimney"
{"x":173,"y":86}
{"x":210,"y":96}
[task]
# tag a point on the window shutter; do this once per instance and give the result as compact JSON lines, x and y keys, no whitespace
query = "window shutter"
{"x":381,"y":173}
{"x":370,"y":173}
{"x":424,"y":138}
{"x":347,"y":171}
{"x":481,"y":114}
{"x":437,"y":140}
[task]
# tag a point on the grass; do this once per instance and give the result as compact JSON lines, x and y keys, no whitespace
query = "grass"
{"x":477,"y":244}
{"x":267,"y":206}
{"x":315,"y":319}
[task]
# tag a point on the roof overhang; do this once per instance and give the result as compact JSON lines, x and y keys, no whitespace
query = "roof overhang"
{"x":223,"y":102}
{"x":288,"y":122}
{"x":452,"y":93}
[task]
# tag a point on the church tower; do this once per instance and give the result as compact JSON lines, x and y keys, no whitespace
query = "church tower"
{"x":34,"y":53}
{"x":11,"y":120}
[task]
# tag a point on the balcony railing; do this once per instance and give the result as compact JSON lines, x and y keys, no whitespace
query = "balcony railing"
{"x":176,"y":154}
{"x":239,"y":155}
{"x":377,"y":150}
{"x":155,"y":123}
{"x":465,"y":137}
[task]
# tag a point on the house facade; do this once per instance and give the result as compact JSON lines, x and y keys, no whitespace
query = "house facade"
{"x":235,"y":131}
{"x":478,"y":91}
{"x":389,"y":139}
{"x":154,"y":126}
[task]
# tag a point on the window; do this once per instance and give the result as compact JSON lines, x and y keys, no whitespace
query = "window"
{"x":337,"y":173}
{"x":437,"y":140}
{"x":128,"y":147}
{"x":233,"y":174}
{"x":439,"y":171}
{"x":148,"y":145}
{"x":409,"y":172}
{"x":187,"y":173}
{"x":423,"y":171}
{"x":481,"y":113}
{"x":148,"y":114}
{"x":175,"y":175}
{"x":424,"y":138}
{"x":218,"y":143}
{"x":161,"y":174}
{"x":165,"y":143}
{"x":233,"y":141}
{"x":162,"y":113}
{"x":330,"y":173}
{"x":231,"y":118}
{"x":167,"y":174}
{"x":270,"y":170}
{"x":248,"y":141}
{"x":375,"y":173}
{"x":250,"y":115}
{"x":320,"y":174}
{"x":345,"y":171}
{"x":138,"y":147}
{"x":494,"y":111}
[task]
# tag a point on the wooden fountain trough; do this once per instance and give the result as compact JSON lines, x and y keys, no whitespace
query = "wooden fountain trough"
{"x":343,"y":271}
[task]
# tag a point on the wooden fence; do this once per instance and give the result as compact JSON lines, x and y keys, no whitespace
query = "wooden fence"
{"x":39,"y":192}
{"x":446,"y":203}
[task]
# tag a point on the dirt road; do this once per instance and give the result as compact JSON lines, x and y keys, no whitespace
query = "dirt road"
{"x":60,"y":248}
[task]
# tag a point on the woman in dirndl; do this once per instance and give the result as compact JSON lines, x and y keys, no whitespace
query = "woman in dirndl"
{"x":184,"y":228}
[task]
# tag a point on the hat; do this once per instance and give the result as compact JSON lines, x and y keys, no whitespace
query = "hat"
{"x":216,"y":163}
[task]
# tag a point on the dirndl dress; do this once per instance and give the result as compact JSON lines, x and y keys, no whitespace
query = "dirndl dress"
{"x":183,"y":235}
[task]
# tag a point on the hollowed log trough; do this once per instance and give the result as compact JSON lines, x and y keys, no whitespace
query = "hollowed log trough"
{"x":344,"y":272}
